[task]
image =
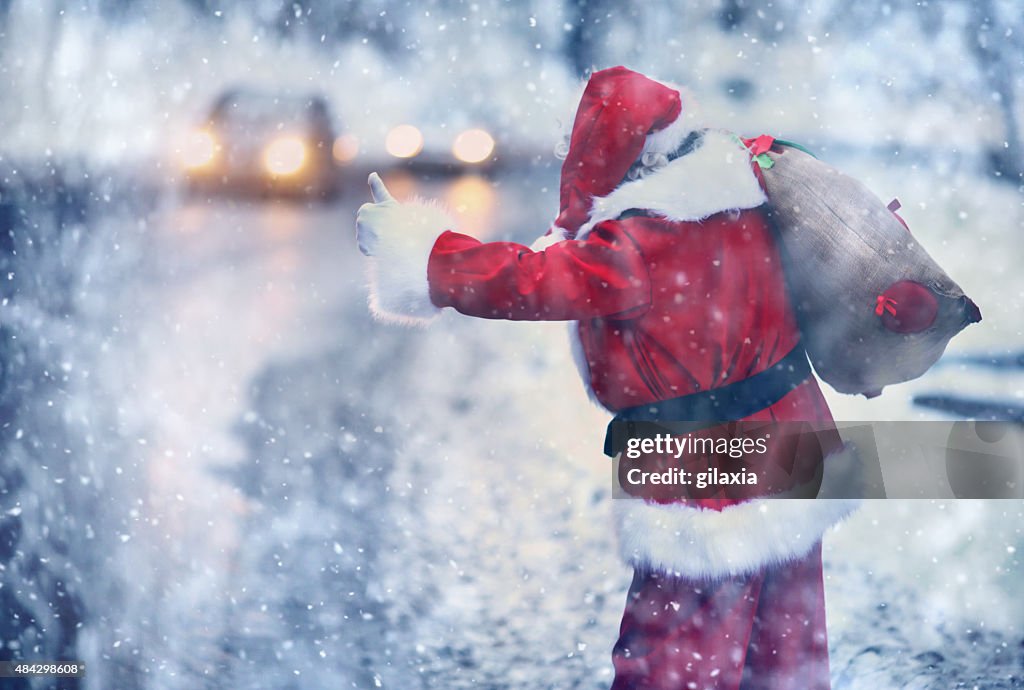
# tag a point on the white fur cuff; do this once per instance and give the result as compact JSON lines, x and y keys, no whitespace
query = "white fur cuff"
{"x":399,"y":291}
{"x":554,"y":235}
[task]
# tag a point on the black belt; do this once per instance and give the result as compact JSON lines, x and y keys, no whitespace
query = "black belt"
{"x":730,"y":402}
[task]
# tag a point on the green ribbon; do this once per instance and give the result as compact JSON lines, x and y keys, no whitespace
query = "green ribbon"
{"x":793,"y":144}
{"x":763,"y":160}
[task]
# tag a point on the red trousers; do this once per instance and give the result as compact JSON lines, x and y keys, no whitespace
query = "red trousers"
{"x":764,"y":631}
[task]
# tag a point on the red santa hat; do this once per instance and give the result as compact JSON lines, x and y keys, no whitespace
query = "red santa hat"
{"x":622,"y":117}
{"x":619,"y":111}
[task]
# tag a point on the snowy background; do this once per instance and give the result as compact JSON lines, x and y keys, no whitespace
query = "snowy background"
{"x":216,"y":471}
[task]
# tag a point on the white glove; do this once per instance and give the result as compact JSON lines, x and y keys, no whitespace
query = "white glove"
{"x":375,"y":218}
{"x":398,"y":238}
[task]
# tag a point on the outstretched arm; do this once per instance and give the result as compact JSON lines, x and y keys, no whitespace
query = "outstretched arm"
{"x":420,"y":265}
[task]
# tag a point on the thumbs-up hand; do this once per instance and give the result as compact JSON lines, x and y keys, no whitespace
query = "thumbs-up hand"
{"x":378,"y":191}
{"x":373,"y":219}
{"x":399,"y":239}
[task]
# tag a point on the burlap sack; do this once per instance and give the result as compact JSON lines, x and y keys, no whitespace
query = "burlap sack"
{"x":850,"y":263}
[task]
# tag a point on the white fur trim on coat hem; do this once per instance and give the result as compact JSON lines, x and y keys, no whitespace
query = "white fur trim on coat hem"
{"x":399,"y":291}
{"x":716,"y":177}
{"x":702,"y":544}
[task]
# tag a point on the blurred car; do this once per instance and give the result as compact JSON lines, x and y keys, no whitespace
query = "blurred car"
{"x":263,"y":143}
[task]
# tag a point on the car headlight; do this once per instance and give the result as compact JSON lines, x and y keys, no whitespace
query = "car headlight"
{"x":473,"y":146}
{"x":284,"y":156}
{"x":199,"y":149}
{"x":404,"y":141}
{"x":345,"y":148}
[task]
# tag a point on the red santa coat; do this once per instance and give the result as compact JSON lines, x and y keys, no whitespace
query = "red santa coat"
{"x":687,"y":296}
{"x":664,"y":308}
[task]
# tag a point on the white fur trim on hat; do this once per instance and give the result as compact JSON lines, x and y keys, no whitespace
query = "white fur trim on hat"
{"x":713,"y":178}
{"x":668,"y":139}
{"x":701,"y":543}
{"x":399,"y":291}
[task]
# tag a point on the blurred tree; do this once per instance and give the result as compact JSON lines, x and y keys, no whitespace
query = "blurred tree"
{"x":768,"y":21}
{"x":589,"y":20}
{"x":999,"y":52}
{"x":204,"y":6}
{"x":332,"y":22}
{"x":52,"y":29}
{"x":991,"y":38}
{"x":732,"y":14}
{"x":118,"y":9}
{"x":41,"y":593}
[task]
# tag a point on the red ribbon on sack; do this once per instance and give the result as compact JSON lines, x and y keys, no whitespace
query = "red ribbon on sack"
{"x":759,"y":145}
{"x":885,"y":304}
{"x":895,"y":206}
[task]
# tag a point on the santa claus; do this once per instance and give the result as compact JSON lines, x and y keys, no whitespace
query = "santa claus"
{"x":664,"y":259}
